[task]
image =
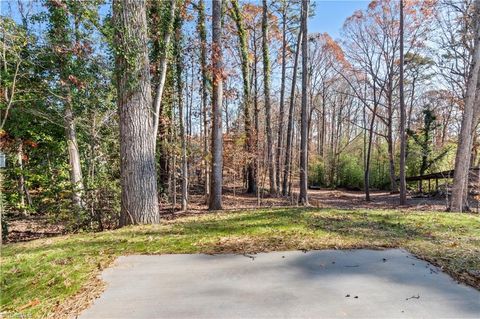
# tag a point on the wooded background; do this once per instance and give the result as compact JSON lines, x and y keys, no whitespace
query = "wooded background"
{"x":111,"y":112}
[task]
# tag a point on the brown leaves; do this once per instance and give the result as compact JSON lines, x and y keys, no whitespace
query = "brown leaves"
{"x":79,"y":49}
{"x":59,"y":4}
{"x":72,"y":79}
{"x":31,"y":303}
{"x":75,"y":81}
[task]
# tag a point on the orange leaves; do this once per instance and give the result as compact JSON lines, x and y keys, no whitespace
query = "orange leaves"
{"x":251,"y":12}
{"x":329,"y":49}
{"x":31,"y":143}
{"x":333,"y":47}
{"x":218,"y":74}
{"x":184,"y":14}
{"x":355,"y":17}
{"x":380,"y":23}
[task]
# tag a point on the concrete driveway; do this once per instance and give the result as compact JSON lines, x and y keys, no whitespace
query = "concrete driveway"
{"x":315,"y":284}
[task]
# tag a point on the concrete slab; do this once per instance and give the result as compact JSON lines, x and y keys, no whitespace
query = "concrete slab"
{"x":315,"y":284}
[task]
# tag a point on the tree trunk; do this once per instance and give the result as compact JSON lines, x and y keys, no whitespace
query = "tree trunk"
{"x":256,"y":113}
{"x":465,"y":139}
{"x":162,"y":70}
{"x":369,"y":151}
{"x":476,"y":111}
{"x":303,"y":198}
{"x":324,"y":118}
{"x":332,"y":148}
{"x":389,"y":135}
{"x":203,"y":64}
{"x":403,"y":115}
{"x":282,"y":96}
{"x":173,"y":170}
{"x":161,"y":128}
{"x":391,"y":159}
{"x":139,"y":203}
{"x":179,"y":57}
{"x":237,"y":16}
{"x":291,"y":111}
{"x":21,"y":177}
{"x":217,"y":138}
{"x":266,"y":84}
{"x":75,"y":170}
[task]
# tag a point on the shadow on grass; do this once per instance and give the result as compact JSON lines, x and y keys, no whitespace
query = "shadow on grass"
{"x":354,"y":225}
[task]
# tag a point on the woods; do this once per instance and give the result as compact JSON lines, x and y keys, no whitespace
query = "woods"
{"x":200,"y":145}
{"x":119,"y":113}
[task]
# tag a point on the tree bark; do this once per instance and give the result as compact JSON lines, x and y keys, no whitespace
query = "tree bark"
{"x":389,"y":137}
{"x":215,"y":202}
{"x":237,"y":16}
{"x":21,"y":177}
{"x":282,"y":96}
{"x":162,"y":70}
{"x":369,"y":148}
{"x":139,"y":203}
{"x":181,"y":106}
{"x":291,"y":111}
{"x":75,"y":170}
{"x":256,"y":113}
{"x":203,"y":64}
{"x":303,"y":197}
{"x":459,"y":201}
{"x":266,"y":85}
{"x":403,"y":115}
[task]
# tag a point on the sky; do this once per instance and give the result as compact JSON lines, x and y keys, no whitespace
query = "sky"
{"x":331,"y":14}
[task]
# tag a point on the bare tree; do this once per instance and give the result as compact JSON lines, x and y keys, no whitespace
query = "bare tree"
{"x":282,"y":94}
{"x":403,"y":115}
{"x":291,"y":113}
{"x":303,"y":198}
{"x":181,"y":107}
{"x":266,"y":84}
{"x":204,"y":91}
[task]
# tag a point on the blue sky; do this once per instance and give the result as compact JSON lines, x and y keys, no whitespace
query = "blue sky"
{"x":330,"y":15}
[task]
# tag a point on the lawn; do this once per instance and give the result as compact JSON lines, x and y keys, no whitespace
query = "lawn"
{"x":56,"y":276}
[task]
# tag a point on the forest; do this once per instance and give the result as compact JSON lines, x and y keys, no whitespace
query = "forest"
{"x":234,"y":159}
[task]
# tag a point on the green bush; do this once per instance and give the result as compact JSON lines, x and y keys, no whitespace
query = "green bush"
{"x":349,"y":169}
{"x":350,"y":173}
{"x":316,"y":174}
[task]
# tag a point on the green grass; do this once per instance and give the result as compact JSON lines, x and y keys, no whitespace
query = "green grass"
{"x":40,"y":276}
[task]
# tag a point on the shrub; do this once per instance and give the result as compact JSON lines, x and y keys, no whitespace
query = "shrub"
{"x":316,"y":174}
{"x":350,"y":173}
